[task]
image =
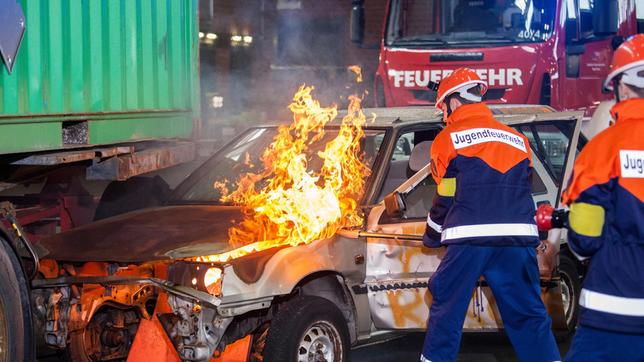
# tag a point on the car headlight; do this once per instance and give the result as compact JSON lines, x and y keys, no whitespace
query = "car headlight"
{"x":212,"y":280}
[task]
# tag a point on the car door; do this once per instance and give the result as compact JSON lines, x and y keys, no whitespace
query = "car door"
{"x":398,"y":266}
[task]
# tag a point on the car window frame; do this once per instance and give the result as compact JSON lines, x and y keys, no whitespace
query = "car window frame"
{"x":539,"y":197}
{"x":397,"y":132}
{"x":541,"y":151}
{"x":574,"y":117}
{"x":202,"y":169}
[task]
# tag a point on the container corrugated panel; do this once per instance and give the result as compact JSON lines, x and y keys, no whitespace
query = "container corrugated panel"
{"x":126,"y":70}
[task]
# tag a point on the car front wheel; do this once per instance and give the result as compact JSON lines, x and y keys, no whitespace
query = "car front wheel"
{"x":307,"y":329}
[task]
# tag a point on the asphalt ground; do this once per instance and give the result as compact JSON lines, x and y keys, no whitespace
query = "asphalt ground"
{"x":475,"y":347}
{"x":479,"y":347}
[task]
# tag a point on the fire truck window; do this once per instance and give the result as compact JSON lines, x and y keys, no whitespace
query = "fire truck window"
{"x":572,"y":22}
{"x":639,"y":12}
{"x":419,"y":17}
{"x":473,"y":16}
{"x":586,"y":8}
{"x":454,"y":23}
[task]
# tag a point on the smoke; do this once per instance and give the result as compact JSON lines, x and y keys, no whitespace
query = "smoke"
{"x":291,"y":48}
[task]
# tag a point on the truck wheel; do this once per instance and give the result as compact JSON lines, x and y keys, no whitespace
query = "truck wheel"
{"x":570,"y":289}
{"x":133,"y":194}
{"x":16,"y":331}
{"x":307,"y":329}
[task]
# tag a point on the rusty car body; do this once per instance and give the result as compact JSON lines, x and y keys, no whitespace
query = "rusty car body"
{"x":101,"y":282}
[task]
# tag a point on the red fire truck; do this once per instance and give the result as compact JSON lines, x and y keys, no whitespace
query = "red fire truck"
{"x":530,"y":51}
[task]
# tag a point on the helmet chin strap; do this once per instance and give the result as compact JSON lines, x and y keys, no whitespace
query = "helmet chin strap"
{"x":449,"y":107}
{"x":448,"y":110}
{"x":616,"y":89}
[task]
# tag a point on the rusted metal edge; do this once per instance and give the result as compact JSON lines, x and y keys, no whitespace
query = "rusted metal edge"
{"x":58,"y":158}
{"x":179,"y":290}
{"x":123,"y":167}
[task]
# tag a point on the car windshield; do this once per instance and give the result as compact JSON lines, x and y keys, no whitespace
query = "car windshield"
{"x":244,"y":155}
{"x":445,"y":23}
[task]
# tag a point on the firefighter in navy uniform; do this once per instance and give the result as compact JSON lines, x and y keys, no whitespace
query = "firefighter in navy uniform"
{"x":606,"y":221}
{"x":484,"y":213}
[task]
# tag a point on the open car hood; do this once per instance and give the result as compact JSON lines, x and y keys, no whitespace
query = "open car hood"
{"x":161,"y":233}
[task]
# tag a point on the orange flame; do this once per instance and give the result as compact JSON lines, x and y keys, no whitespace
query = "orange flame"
{"x":358,"y":72}
{"x":298,"y":205}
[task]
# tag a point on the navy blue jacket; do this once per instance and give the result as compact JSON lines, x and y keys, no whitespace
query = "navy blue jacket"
{"x":482,"y":169}
{"x":606,"y":222}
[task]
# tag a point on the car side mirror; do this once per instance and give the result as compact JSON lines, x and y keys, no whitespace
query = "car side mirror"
{"x":395,"y":204}
{"x":357,"y":21}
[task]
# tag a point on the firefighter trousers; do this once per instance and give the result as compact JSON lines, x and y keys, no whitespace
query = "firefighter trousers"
{"x":591,"y":344}
{"x":513,"y":275}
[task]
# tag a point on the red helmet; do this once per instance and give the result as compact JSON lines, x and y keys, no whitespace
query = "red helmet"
{"x":460,"y":81}
{"x":628,"y":61}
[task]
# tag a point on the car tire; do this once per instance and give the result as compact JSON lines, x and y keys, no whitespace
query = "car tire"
{"x":91,"y":343}
{"x":570,"y":288}
{"x":304,"y":327}
{"x":132,"y":194}
{"x":75,"y":351}
{"x":16,"y":328}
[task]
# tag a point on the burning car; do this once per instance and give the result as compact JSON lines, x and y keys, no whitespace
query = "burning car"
{"x":202,"y":276}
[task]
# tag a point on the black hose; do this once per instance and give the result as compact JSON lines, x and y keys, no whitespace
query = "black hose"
{"x":8,"y":212}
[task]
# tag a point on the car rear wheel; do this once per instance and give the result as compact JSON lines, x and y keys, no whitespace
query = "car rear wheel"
{"x":570,"y":289}
{"x":16,"y":338}
{"x":307,"y":329}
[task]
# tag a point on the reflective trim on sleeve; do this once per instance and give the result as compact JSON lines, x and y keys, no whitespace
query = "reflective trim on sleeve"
{"x":586,"y":219}
{"x":438,"y":228}
{"x":633,"y":307}
{"x":572,"y":250}
{"x":447,"y":187}
{"x":423,"y":359}
{"x":469,"y":231}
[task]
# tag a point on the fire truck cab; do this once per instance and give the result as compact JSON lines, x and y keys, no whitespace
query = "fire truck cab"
{"x":529,"y":51}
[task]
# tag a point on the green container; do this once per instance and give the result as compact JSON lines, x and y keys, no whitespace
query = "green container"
{"x":101,"y":72}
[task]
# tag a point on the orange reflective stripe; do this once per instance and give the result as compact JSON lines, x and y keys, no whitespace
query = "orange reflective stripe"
{"x":441,"y":154}
{"x":592,"y":167}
